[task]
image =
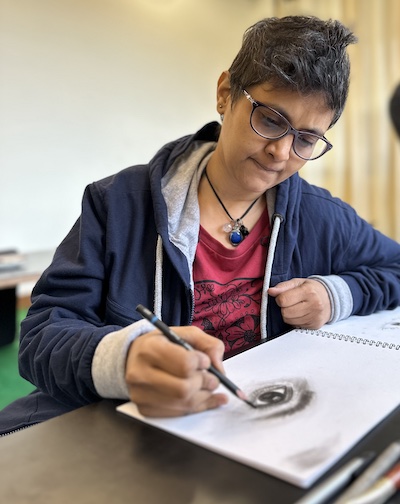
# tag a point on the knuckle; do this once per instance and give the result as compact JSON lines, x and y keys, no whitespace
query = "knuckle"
{"x":183,"y":391}
{"x":136,"y":381}
{"x":210,"y":382}
{"x":219,"y":345}
{"x":280,"y":300}
{"x":187,"y":365}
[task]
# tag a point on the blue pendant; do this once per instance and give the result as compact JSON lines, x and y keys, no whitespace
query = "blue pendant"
{"x":235,"y":237}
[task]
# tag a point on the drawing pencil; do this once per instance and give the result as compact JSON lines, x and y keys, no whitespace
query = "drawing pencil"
{"x":375,"y":470}
{"x":172,"y":336}
{"x":333,"y":484}
{"x":382,"y":490}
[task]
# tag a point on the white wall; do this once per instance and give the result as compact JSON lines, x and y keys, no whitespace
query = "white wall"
{"x":88,"y":87}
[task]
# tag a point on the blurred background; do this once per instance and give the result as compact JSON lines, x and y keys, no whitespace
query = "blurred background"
{"x":89,"y":87}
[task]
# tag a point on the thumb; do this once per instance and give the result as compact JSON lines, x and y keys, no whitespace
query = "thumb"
{"x":285,"y":286}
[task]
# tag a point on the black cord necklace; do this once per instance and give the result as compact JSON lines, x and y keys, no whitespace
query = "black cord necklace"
{"x":236,"y":229}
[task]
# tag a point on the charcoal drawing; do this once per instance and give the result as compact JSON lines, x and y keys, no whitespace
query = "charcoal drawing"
{"x":276,"y":399}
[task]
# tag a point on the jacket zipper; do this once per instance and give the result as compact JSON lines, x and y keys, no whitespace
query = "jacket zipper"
{"x":5,"y":434}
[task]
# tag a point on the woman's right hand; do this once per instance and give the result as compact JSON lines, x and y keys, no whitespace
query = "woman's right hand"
{"x":165,"y":379}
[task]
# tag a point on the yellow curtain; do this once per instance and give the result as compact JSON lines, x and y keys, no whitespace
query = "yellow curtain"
{"x":363,"y":168}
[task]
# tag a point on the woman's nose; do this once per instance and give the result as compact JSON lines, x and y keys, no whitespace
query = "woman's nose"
{"x":280,"y":149}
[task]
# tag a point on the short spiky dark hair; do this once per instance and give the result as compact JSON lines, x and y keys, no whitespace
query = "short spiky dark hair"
{"x":302,"y":53}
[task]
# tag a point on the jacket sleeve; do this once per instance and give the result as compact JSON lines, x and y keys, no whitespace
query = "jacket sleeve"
{"x":339,"y":247}
{"x":375,"y":281}
{"x":66,"y":320}
{"x":369,"y":262}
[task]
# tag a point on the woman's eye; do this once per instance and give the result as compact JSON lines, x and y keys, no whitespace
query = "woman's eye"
{"x":307,"y":140}
{"x":270,"y":121}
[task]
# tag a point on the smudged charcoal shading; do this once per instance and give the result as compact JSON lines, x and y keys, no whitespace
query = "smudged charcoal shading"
{"x":281,"y":398}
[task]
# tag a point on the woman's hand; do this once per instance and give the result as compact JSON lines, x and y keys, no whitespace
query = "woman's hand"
{"x":165,"y":379}
{"x":304,"y":302}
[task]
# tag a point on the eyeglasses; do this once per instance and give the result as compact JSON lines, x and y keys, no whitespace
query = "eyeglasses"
{"x":270,"y":124}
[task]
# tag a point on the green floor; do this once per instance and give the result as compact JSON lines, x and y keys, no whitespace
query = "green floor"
{"x":12,"y":385}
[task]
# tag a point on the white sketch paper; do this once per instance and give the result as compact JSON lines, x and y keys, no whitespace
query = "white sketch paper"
{"x":319,"y":396}
{"x":381,"y":326}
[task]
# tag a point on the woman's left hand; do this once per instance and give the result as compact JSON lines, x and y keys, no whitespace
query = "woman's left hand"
{"x":304,"y":302}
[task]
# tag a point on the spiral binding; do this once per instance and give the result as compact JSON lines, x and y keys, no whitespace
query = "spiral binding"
{"x":351,"y":339}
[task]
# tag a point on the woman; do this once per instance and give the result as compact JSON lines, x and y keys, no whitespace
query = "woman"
{"x":218,"y":235}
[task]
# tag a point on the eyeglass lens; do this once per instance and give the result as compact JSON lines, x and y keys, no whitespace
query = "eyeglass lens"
{"x":271,"y":125}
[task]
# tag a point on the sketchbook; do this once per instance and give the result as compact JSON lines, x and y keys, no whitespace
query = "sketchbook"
{"x":319,"y":393}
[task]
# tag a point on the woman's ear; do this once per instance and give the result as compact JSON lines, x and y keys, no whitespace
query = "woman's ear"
{"x":223,"y":92}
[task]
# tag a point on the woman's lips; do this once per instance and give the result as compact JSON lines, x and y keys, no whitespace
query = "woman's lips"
{"x":266,"y":168}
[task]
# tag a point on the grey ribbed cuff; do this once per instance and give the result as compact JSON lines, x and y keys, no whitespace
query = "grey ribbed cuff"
{"x":339,"y":294}
{"x":108,"y":365}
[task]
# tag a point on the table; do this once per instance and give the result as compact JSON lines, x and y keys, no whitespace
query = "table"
{"x":29,"y":270}
{"x":96,"y":455}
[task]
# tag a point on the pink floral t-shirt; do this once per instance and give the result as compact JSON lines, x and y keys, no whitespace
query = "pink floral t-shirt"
{"x":228,"y":286}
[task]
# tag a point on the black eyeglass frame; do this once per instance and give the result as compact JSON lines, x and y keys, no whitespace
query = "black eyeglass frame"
{"x":290,"y":129}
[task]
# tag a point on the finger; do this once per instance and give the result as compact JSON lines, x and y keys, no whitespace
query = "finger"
{"x":295,"y":317}
{"x":169,"y":385}
{"x":310,"y":297}
{"x":303,"y":291}
{"x":290,"y":298}
{"x":155,"y":351}
{"x":159,"y":392}
{"x":303,"y":315}
{"x":285,"y":286}
{"x":176,"y":394}
{"x":210,"y":345}
{"x":145,"y":379}
{"x":203,"y":403}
